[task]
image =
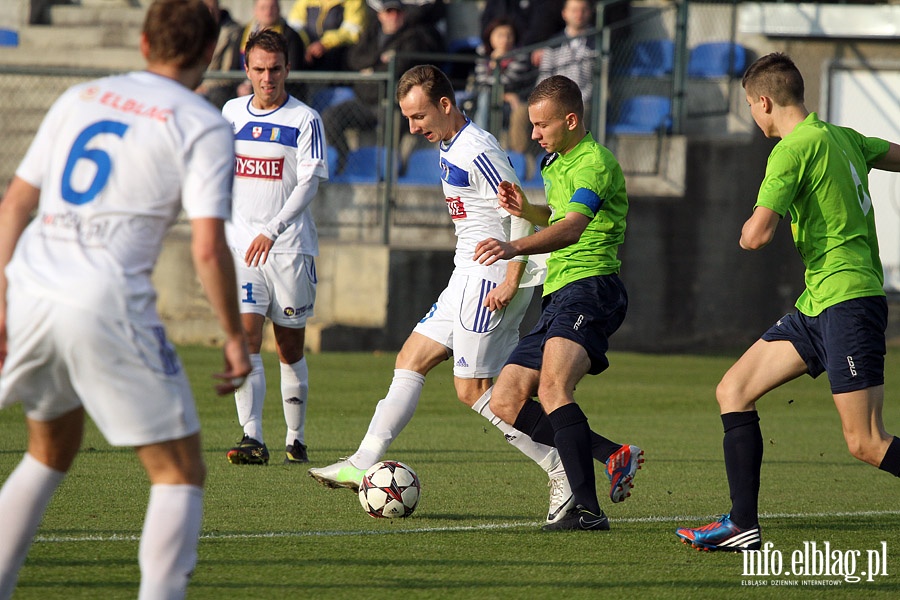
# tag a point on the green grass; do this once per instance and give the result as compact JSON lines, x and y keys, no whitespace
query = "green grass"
{"x":272,"y":532}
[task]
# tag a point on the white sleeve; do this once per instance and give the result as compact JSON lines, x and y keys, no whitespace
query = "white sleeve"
{"x":489,"y":169}
{"x":209,"y":173}
{"x":37,"y":159}
{"x":296,"y":203}
{"x":312,"y":167}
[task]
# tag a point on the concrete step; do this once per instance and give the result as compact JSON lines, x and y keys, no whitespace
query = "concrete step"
{"x":116,"y":59}
{"x":64,"y":38}
{"x":114,"y":14}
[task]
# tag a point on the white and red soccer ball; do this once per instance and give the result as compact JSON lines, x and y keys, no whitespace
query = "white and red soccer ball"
{"x":389,"y":489}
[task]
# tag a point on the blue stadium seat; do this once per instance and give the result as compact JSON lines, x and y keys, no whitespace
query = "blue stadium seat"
{"x":519,"y":164}
{"x":363,"y":165}
{"x":333,"y":160}
{"x":643,"y":115}
{"x":8,"y":37}
{"x":713,"y":60}
{"x":330,"y":97}
{"x":652,"y":58}
{"x":536,"y":180}
{"x":458,"y":72}
{"x":423,"y":167}
{"x":464,"y":44}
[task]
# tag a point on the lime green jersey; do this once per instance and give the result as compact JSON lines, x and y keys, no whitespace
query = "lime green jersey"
{"x":587,"y":180}
{"x":818,"y":174}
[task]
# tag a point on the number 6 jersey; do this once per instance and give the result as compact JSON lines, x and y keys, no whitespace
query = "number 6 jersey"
{"x":116,"y":161}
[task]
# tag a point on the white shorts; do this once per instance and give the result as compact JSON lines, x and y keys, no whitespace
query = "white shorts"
{"x":283,"y":289}
{"x":127,"y":376}
{"x":479,"y":339}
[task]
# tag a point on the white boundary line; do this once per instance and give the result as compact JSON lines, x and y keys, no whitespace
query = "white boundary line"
{"x":485,"y":527}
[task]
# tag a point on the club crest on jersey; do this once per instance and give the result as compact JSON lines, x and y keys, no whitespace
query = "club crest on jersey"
{"x":456,"y":207}
{"x":256,"y":132}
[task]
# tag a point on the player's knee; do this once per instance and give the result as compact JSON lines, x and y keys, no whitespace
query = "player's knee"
{"x":468,"y":397}
{"x":730,"y":397}
{"x":864,"y":449}
{"x":553,"y":395}
{"x":505,"y":403}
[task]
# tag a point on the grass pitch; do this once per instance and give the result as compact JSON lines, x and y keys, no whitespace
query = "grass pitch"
{"x":272,"y":532}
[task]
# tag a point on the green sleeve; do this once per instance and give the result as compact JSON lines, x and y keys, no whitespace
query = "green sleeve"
{"x":779,"y":187}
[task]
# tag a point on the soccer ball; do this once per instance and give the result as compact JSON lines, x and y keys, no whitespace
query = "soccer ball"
{"x":389,"y":489}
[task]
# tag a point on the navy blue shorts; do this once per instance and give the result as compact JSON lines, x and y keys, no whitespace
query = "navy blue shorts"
{"x":845,"y":340}
{"x":587,"y":311}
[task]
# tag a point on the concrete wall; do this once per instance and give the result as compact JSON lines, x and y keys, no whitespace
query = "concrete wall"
{"x":691,"y":287}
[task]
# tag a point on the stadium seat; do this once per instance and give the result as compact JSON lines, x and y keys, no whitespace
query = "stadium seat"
{"x":458,"y":72}
{"x":535,"y":180}
{"x":713,"y":60}
{"x":423,"y":167}
{"x":8,"y":37}
{"x":333,"y":161}
{"x":330,"y":97}
{"x":643,"y":115}
{"x":652,"y":58}
{"x":363,"y":165}
{"x":519,"y":164}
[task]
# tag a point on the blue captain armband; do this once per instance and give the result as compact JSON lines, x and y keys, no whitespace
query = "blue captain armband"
{"x":589,"y":198}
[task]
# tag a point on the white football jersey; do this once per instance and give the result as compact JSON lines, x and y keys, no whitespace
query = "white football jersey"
{"x":273,"y":151}
{"x":116,"y":160}
{"x":472,"y":166}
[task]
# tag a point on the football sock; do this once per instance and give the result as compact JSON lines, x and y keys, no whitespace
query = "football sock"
{"x":294,"y":393}
{"x":545,"y":456}
{"x":743,"y":446}
{"x":891,"y":460}
{"x":168,"y":549}
{"x":23,"y":500}
{"x":249,"y":400}
{"x":573,"y":440}
{"x":532,"y":421}
{"x":392,"y":414}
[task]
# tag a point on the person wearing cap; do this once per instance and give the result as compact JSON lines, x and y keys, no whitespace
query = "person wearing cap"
{"x":387,"y":36}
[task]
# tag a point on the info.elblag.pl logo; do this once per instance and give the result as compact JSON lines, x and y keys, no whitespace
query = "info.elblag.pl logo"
{"x":814,"y":564}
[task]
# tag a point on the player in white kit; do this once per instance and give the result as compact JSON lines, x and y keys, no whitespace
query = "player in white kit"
{"x":280,"y":160}
{"x":476,"y":318}
{"x":113,"y":164}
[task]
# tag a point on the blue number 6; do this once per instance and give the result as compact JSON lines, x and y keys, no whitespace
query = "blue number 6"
{"x":97,"y":156}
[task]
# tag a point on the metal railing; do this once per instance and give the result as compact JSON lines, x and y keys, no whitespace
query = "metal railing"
{"x":27,"y":92}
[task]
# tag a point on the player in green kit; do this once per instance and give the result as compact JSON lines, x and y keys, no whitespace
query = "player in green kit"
{"x":584,"y":300}
{"x":817,"y":174}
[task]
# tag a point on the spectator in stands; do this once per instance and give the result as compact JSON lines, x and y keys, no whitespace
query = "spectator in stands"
{"x":537,"y":21}
{"x":516,"y":76}
{"x":386,"y":36}
{"x":428,"y":12}
{"x":328,"y":28}
{"x":227,"y":57}
{"x":572,"y":54}
{"x":267,"y":15}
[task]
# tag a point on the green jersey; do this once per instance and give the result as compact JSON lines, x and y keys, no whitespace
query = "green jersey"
{"x":587,"y":180}
{"x":819,"y":174}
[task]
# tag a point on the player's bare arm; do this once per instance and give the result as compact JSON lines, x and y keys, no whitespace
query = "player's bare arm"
{"x":891,"y":160}
{"x":502,"y":295}
{"x":759,"y":229}
{"x":20,"y":202}
{"x":215,"y":269}
{"x":564,"y":232}
{"x":512,"y":198}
